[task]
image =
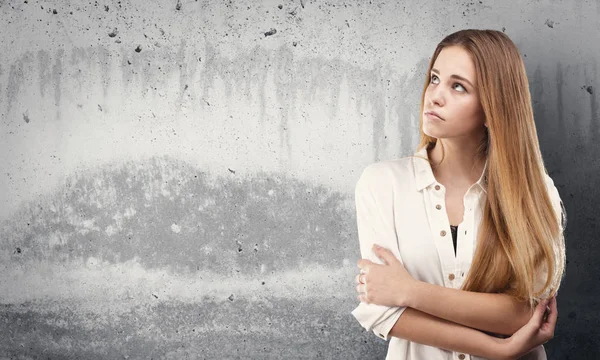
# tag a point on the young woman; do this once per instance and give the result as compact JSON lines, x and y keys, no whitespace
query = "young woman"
{"x":470,"y":228}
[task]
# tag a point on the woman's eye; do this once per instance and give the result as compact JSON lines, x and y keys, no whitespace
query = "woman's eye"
{"x":455,"y":84}
{"x":463,"y":88}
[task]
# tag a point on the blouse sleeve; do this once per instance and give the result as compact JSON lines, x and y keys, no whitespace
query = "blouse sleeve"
{"x":559,"y":246}
{"x":374,"y":200}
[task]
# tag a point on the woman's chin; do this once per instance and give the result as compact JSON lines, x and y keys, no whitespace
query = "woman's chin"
{"x":434,"y":133}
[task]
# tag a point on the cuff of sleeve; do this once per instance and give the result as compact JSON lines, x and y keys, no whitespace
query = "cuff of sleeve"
{"x":383,"y":329}
{"x":377,"y":318}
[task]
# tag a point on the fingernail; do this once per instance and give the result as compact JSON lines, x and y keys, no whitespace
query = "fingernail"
{"x":375,"y":246}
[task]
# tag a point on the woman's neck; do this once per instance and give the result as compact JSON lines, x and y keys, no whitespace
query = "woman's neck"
{"x":460,"y":167}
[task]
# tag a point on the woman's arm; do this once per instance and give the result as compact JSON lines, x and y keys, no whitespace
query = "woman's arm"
{"x":496,"y":313}
{"x":422,"y":328}
{"x":390,"y":284}
{"x":417,"y":326}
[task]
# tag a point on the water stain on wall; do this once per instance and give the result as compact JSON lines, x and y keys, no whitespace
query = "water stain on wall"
{"x":594,"y":109}
{"x":44,"y":77}
{"x":158,"y":258}
{"x":16,"y":77}
{"x":135,"y":209}
{"x":294,"y":82}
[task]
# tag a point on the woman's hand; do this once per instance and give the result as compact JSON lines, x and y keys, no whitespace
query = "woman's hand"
{"x":387,"y":284}
{"x":536,"y":332}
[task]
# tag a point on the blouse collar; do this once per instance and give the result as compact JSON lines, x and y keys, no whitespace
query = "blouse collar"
{"x":424,"y":175}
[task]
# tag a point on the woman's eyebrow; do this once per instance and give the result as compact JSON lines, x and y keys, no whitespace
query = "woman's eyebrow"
{"x":455,"y":77}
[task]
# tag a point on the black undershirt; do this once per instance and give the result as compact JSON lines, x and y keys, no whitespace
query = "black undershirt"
{"x":454,"y":229}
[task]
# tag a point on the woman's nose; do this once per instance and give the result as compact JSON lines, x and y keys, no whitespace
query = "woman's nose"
{"x":436,"y":96}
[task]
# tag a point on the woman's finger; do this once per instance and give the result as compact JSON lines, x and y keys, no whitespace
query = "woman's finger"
{"x":553,"y":314}
{"x":359,"y":279}
{"x":361,"y":288}
{"x":538,"y":314}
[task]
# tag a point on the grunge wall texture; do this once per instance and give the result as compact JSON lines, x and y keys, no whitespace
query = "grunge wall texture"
{"x":177,"y":176}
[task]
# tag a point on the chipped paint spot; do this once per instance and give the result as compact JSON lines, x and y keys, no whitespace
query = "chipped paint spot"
{"x":590,"y":89}
{"x":271,"y":32}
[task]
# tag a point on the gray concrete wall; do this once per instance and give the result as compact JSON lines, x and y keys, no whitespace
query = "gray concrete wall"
{"x":177,"y":176}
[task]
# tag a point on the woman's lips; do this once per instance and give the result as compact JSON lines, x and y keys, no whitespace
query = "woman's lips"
{"x":433,"y":116}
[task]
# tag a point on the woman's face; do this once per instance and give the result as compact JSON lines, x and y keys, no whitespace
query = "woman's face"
{"x":452,"y":95}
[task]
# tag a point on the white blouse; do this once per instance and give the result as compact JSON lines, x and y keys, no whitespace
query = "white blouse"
{"x":401,"y":206}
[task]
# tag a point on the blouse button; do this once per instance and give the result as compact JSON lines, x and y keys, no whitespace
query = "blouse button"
{"x":443,"y":232}
{"x":437,"y":187}
{"x":438,"y":206}
{"x":451,"y":276}
{"x":461,"y":356}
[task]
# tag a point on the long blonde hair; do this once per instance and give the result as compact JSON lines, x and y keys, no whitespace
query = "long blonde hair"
{"x":519,"y":231}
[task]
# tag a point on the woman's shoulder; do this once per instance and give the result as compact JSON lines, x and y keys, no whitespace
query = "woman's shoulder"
{"x":395,"y":172}
{"x":555,"y":198}
{"x":551,"y":187}
{"x":548,"y":179}
{"x":397,"y":165}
